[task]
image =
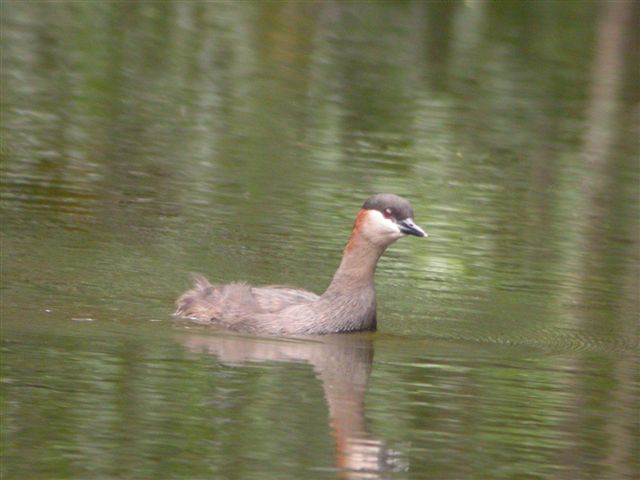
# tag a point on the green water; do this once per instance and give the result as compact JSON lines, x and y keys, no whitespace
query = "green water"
{"x":142,"y":141}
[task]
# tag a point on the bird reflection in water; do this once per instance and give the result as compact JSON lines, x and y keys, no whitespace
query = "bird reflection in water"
{"x":343,"y":365}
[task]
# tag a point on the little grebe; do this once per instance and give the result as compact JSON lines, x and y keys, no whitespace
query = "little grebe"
{"x":348,"y":304}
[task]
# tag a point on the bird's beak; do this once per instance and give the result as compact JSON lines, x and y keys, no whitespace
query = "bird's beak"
{"x":409,"y":228}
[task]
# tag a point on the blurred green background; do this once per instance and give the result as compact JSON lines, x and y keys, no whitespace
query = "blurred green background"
{"x":141,"y":141}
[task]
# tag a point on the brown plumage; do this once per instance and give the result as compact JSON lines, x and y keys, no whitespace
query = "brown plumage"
{"x":348,"y":304}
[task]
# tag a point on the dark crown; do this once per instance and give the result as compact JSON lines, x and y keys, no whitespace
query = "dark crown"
{"x":400,"y":208}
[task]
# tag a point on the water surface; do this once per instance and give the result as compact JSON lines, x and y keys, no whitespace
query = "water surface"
{"x":142,"y":141}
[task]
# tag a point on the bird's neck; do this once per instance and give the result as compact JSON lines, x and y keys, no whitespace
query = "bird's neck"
{"x":358,"y":265}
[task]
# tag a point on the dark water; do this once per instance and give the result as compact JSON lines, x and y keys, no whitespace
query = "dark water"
{"x":142,"y":141}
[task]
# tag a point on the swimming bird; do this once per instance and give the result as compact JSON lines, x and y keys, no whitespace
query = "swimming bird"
{"x":347,"y":305}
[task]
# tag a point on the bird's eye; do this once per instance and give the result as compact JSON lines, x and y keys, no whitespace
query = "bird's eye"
{"x":387,"y":213}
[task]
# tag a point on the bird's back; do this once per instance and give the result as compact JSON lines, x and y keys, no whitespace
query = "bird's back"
{"x":234,"y":303}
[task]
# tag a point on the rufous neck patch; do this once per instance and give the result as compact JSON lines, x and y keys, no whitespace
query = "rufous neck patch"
{"x":357,"y":226}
